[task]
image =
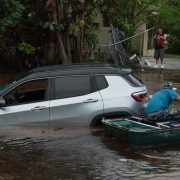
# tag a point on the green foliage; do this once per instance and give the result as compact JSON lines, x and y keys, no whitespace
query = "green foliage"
{"x":39,"y":23}
{"x":170,"y":21}
{"x":53,"y":26}
{"x":75,"y":26}
{"x":128,"y":15}
{"x":27,"y":48}
{"x":90,"y":36}
{"x":13,"y":14}
{"x":98,"y":3}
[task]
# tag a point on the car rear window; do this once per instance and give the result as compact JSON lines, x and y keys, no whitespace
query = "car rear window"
{"x":133,"y":80}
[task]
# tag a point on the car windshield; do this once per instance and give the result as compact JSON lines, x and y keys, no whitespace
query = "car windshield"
{"x":12,"y":81}
{"x":4,"y":85}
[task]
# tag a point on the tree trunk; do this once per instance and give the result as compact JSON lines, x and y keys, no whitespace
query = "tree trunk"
{"x":68,"y":45}
{"x":52,"y":6}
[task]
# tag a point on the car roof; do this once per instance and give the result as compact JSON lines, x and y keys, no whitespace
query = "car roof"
{"x":74,"y":69}
{"x":71,"y":67}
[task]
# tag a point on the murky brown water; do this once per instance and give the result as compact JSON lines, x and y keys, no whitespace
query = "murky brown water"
{"x":83,"y":153}
{"x":85,"y":156}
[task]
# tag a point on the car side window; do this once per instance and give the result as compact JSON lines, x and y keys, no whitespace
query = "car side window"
{"x":101,"y":82}
{"x":32,"y":91}
{"x":72,"y":86}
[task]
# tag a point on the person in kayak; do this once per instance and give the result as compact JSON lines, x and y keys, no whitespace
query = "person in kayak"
{"x":157,"y":107}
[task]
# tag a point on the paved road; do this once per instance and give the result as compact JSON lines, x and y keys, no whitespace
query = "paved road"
{"x":169,"y":63}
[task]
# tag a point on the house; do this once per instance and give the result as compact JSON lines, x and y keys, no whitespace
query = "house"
{"x":140,"y":42}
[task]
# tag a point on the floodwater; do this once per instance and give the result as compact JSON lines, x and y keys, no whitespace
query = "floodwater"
{"x":84,"y":153}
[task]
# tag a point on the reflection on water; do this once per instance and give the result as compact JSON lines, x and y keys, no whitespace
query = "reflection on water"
{"x":87,"y":154}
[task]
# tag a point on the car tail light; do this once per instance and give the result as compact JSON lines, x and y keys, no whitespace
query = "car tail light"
{"x":140,"y":96}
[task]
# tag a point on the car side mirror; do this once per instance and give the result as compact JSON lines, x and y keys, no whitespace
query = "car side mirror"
{"x":2,"y":102}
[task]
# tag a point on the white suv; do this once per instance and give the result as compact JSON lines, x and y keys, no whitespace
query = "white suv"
{"x":71,"y":95}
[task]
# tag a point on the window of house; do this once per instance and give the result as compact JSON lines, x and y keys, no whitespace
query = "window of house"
{"x":72,"y":86}
{"x":28,"y":92}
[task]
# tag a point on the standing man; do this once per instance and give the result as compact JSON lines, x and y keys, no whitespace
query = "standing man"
{"x":159,"y":47}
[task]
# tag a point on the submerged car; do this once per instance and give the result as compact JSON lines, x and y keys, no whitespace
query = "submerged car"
{"x":63,"y":95}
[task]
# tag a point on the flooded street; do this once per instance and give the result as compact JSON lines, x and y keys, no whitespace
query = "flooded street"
{"x":84,"y":153}
{"x":88,"y":155}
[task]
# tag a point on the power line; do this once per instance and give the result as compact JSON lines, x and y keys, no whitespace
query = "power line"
{"x":107,"y":45}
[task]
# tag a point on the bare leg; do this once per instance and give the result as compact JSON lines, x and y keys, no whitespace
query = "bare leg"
{"x":157,"y":61}
{"x":161,"y":61}
{"x":162,"y":66}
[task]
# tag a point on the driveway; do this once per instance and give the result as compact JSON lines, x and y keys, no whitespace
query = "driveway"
{"x":169,"y":63}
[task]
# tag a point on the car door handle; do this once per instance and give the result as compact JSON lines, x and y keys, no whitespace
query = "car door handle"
{"x":91,"y":100}
{"x":38,"y":108}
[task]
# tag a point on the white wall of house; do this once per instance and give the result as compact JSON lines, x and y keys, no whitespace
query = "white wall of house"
{"x":103,"y":33}
{"x":141,"y":41}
